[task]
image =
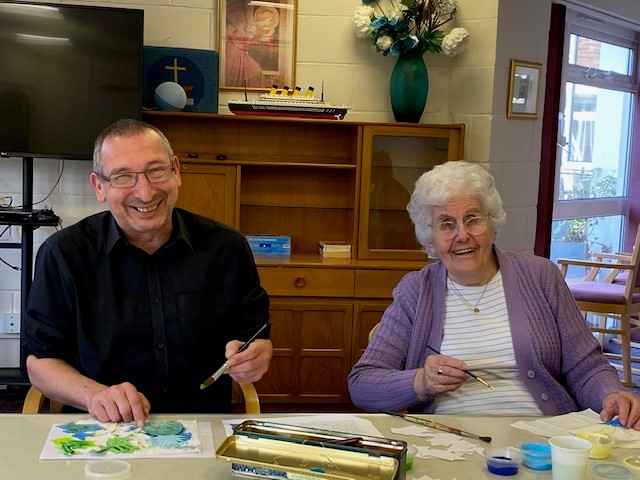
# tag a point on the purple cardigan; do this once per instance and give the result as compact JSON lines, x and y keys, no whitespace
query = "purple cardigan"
{"x":558,"y":358}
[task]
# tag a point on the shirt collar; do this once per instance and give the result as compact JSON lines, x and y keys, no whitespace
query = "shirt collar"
{"x":180,"y":233}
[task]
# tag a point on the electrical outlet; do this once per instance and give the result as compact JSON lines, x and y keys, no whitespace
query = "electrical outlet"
{"x":10,"y":323}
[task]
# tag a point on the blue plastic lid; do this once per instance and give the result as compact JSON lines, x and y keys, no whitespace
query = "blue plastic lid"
{"x":611,"y":470}
{"x":537,"y":456}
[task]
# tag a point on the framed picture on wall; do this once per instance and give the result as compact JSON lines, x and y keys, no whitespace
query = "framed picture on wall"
{"x":256,"y":43}
{"x":524,"y":89}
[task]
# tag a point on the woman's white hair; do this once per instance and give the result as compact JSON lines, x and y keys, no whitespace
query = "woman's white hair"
{"x":445,"y":183}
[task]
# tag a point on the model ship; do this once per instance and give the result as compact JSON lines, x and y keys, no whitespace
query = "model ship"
{"x":288,"y":103}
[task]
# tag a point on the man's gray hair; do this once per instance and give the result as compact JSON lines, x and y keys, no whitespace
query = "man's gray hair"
{"x":126,"y":127}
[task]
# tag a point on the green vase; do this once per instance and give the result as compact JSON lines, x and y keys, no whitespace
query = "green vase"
{"x":409,"y":87}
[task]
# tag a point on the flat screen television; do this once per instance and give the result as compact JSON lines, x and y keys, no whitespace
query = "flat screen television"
{"x":66,"y":72}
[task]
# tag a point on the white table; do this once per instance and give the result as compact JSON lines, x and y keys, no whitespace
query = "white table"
{"x":22,"y":438}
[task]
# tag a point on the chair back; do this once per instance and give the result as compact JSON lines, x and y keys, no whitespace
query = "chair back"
{"x":633,"y":279}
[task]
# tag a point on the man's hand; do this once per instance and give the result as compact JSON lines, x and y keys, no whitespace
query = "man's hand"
{"x":625,"y":405}
{"x":248,"y":366}
{"x":119,"y":403}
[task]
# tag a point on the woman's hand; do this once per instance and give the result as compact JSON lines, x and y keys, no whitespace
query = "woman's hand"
{"x":441,"y":373}
{"x":625,"y":405}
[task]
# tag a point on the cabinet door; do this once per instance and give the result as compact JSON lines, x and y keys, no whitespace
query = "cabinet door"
{"x":311,"y":352}
{"x":393,"y":158}
{"x":367,"y":315}
{"x":209,"y":190}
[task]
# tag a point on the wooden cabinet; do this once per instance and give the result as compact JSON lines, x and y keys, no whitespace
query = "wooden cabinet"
{"x":313,"y":180}
{"x":209,"y":190}
{"x":393,"y":158}
{"x":311,"y":351}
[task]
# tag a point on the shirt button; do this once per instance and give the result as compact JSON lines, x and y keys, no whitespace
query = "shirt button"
{"x":156,"y":300}
{"x":544,"y":397}
{"x":160,"y":345}
{"x":531,"y":374}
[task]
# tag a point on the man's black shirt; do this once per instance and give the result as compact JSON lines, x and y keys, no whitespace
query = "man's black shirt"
{"x":159,"y":321}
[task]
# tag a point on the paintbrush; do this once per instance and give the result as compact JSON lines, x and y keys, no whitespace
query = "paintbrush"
{"x":438,"y":426}
{"x":471,"y":374}
{"x":218,"y":373}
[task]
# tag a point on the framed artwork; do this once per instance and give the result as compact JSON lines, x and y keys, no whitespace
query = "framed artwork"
{"x":256,"y":43}
{"x":524,"y":89}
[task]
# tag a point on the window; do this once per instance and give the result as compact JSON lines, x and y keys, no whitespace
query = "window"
{"x":591,"y":201}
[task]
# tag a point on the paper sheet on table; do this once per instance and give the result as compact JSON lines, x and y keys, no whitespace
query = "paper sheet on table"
{"x":576,"y":422}
{"x":445,"y":446}
{"x":337,"y":423}
{"x":51,"y":452}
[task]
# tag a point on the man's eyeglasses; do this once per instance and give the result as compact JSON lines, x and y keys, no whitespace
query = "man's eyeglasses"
{"x":129,"y":179}
{"x":448,"y":229}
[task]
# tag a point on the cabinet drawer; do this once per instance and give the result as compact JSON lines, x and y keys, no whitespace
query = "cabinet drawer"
{"x":321,"y":282}
{"x":377,"y":283}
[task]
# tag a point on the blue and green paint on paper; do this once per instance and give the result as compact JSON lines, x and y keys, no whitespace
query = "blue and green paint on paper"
{"x":101,"y":439}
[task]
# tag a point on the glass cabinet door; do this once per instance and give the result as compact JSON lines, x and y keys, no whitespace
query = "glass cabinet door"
{"x":393,"y":158}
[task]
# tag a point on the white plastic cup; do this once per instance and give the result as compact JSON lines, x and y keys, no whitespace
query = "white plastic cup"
{"x":569,"y":457}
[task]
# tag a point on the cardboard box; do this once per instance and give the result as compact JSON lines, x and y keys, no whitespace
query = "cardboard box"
{"x":269,"y":244}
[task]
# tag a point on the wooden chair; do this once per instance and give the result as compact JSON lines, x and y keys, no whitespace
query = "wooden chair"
{"x":246,"y":391}
{"x":615,"y":299}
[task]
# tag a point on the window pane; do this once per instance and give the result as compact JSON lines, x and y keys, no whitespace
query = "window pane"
{"x":596,"y":137}
{"x":579,"y":237}
{"x":588,"y":52}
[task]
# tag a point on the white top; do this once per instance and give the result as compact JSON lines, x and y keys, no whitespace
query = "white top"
{"x":483,"y":341}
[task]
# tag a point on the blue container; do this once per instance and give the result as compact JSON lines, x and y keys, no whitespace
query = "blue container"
{"x":503,"y":461}
{"x":537,"y":456}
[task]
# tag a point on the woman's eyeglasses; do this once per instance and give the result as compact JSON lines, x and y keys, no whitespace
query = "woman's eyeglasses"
{"x":448,"y":229}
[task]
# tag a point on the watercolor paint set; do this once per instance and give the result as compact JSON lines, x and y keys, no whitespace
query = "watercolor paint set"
{"x":281,"y":460}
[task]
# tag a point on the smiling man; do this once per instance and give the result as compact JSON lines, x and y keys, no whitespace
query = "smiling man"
{"x":132,"y":308}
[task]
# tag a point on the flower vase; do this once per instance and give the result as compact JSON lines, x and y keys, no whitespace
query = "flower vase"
{"x":409,"y":87}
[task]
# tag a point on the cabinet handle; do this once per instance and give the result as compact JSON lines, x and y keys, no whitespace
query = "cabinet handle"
{"x":185,"y":167}
{"x":299,"y":282}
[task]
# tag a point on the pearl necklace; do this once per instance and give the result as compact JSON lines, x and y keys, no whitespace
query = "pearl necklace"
{"x":473,"y":307}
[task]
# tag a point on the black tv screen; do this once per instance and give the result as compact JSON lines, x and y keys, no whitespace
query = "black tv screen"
{"x":66,"y":72}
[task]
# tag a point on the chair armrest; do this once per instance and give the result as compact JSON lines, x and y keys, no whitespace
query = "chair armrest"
{"x":620,"y":256}
{"x":34,"y":400}
{"x":587,"y":263}
{"x":250,"y":396}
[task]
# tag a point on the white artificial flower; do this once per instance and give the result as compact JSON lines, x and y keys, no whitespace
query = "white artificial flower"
{"x":362,"y":20}
{"x":453,"y":43}
{"x":446,"y":7}
{"x":384,"y":42}
{"x":396,"y":13}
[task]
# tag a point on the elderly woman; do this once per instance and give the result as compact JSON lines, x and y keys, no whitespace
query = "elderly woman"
{"x":506,"y":317}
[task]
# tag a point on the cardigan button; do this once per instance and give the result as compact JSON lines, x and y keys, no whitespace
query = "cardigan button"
{"x":544,"y":397}
{"x":531,"y":374}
